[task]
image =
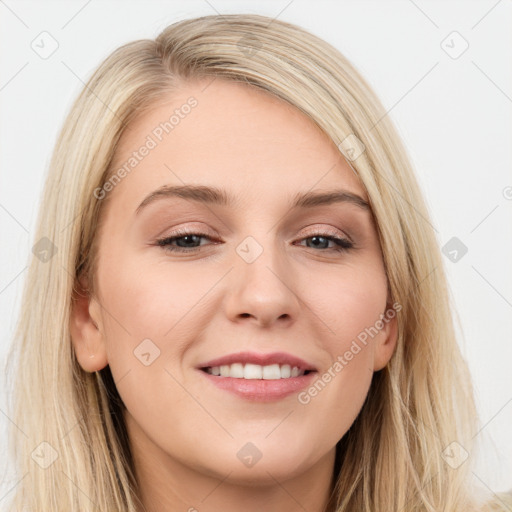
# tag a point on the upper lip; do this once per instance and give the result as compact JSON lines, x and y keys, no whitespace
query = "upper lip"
{"x":260,"y":359}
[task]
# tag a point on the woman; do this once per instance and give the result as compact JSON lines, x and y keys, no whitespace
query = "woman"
{"x":236,"y":297}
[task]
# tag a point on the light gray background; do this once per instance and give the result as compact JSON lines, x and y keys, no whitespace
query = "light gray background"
{"x":454,"y":115}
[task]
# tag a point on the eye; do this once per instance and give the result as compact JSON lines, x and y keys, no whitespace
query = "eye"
{"x":190,"y":241}
{"x":319,"y":241}
{"x":186,"y":241}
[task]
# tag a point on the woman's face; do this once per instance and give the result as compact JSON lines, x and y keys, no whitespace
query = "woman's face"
{"x":259,"y":280}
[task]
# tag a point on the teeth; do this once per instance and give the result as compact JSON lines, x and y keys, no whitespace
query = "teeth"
{"x":255,"y":371}
{"x":237,"y":371}
{"x":286,"y":371}
{"x":271,"y":372}
{"x":252,"y":371}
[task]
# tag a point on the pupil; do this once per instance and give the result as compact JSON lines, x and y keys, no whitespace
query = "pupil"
{"x":182,"y":241}
{"x":316,"y":238}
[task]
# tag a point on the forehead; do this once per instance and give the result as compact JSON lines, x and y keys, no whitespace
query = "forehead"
{"x":230,"y":135}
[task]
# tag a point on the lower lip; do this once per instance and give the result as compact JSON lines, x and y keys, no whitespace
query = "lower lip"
{"x":260,"y":390}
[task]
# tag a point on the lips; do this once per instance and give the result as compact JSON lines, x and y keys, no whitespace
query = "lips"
{"x":280,"y":358}
{"x":259,"y":377}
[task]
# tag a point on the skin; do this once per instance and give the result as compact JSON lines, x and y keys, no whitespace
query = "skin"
{"x":296,"y":297}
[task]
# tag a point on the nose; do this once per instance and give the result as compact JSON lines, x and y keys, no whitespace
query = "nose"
{"x":262,"y":291}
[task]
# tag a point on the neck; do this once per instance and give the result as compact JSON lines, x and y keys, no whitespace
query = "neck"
{"x":167,"y":485}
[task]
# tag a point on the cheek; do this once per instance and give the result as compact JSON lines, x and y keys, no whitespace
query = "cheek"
{"x":347,"y":300}
{"x":150,"y":317}
{"x":150,"y":300}
{"x":350,"y":306}
{"x":153,"y":314}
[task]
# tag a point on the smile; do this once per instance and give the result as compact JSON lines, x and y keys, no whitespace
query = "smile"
{"x":256,"y":371}
{"x":259,"y":377}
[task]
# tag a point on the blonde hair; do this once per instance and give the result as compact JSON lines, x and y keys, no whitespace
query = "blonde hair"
{"x":392,"y":457}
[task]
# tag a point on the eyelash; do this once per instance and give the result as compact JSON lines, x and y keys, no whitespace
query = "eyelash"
{"x":343,"y":244}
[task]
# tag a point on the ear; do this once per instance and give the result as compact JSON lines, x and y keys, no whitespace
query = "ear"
{"x":385,"y":342}
{"x":86,"y":330}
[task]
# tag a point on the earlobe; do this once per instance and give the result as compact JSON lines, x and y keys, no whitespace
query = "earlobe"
{"x":86,"y":329}
{"x":386,"y":340}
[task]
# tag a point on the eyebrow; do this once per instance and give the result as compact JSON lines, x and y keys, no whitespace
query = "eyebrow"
{"x":214,"y":195}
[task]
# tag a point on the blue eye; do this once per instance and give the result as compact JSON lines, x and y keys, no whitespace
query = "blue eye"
{"x":189,"y":242}
{"x":342,"y":243}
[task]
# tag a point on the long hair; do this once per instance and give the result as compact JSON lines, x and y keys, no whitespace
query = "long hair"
{"x":394,"y":456}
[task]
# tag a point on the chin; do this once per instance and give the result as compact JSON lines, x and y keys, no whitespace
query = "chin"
{"x":260,"y":463}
